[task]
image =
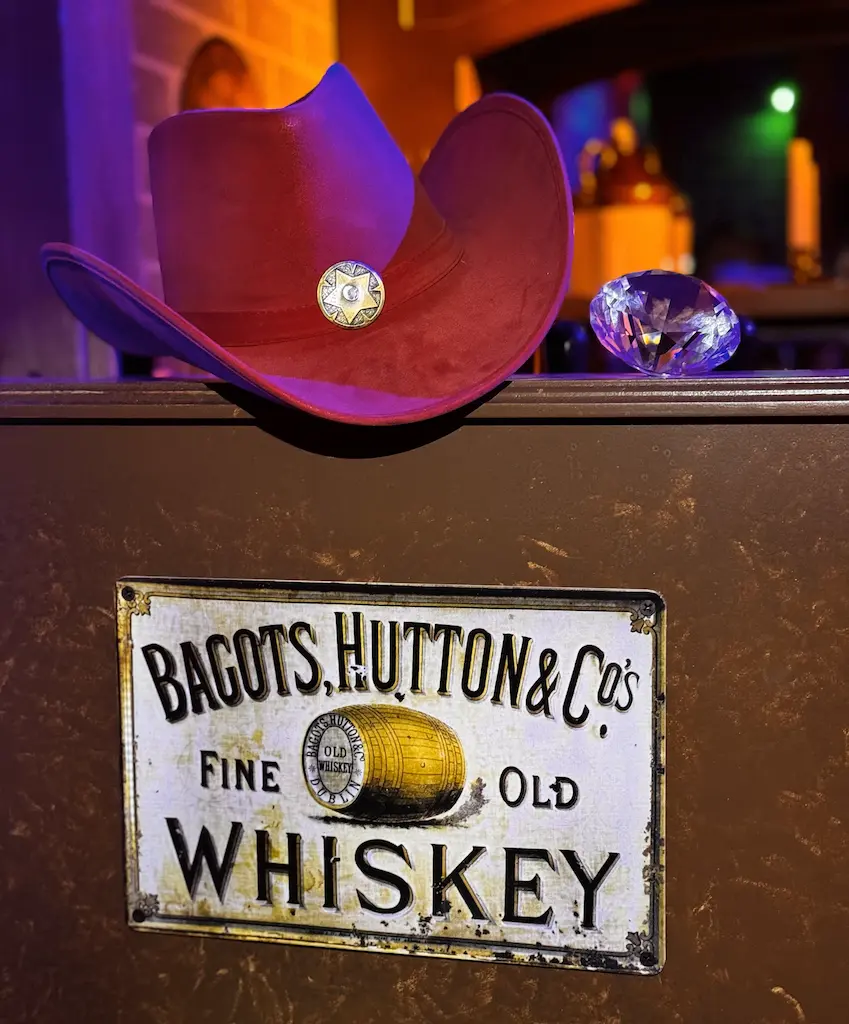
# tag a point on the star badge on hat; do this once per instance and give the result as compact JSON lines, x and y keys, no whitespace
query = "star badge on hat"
{"x":350,"y":294}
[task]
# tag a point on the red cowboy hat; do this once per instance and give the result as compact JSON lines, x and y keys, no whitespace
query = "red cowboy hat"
{"x":302,"y":259}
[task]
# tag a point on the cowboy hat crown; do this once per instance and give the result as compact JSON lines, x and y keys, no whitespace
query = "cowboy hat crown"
{"x":251,"y":205}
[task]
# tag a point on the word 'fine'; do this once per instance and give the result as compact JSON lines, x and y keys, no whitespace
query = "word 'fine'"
{"x":387,"y":656}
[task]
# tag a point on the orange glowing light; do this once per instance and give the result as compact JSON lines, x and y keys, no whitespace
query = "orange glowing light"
{"x":407,"y":14}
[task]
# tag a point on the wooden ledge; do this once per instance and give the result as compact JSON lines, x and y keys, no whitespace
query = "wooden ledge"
{"x":624,"y":397}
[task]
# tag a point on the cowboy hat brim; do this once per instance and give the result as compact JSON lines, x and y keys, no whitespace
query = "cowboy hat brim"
{"x":497,"y":178}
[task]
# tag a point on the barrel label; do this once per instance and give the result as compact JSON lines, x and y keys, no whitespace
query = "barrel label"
{"x":430,"y":770}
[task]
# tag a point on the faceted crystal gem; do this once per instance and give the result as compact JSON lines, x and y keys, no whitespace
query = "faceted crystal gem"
{"x":665,"y":324}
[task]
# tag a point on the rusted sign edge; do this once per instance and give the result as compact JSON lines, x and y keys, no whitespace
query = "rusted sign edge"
{"x":646,"y":954}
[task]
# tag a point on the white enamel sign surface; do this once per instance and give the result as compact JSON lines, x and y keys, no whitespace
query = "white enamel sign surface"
{"x":429,"y":770}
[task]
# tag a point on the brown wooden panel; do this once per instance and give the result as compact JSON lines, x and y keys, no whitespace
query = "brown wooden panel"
{"x":741,"y":525}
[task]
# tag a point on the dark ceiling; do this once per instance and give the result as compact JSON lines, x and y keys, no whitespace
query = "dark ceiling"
{"x":659,"y":35}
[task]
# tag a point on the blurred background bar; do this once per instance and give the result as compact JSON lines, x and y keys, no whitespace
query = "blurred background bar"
{"x":709,"y":137}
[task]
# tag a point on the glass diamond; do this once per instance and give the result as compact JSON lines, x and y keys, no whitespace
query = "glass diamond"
{"x":665,"y":324}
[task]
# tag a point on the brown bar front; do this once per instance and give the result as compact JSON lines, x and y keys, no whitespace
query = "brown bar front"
{"x":727,"y":497}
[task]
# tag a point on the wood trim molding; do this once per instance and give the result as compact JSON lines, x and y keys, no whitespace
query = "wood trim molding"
{"x":722,"y":396}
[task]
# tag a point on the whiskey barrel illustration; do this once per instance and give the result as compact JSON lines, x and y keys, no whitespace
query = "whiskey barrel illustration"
{"x":383,"y":763}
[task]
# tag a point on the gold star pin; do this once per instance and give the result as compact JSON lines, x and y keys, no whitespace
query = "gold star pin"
{"x":350,"y":294}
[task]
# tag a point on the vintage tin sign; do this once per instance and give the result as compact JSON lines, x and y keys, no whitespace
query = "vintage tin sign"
{"x":440,"y":771}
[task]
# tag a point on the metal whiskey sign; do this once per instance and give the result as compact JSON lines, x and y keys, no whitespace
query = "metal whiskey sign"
{"x":441,"y":771}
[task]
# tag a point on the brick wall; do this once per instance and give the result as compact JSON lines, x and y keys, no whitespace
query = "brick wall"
{"x":287,"y":45}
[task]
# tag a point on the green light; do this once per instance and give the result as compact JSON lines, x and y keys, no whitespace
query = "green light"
{"x":783,"y":99}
